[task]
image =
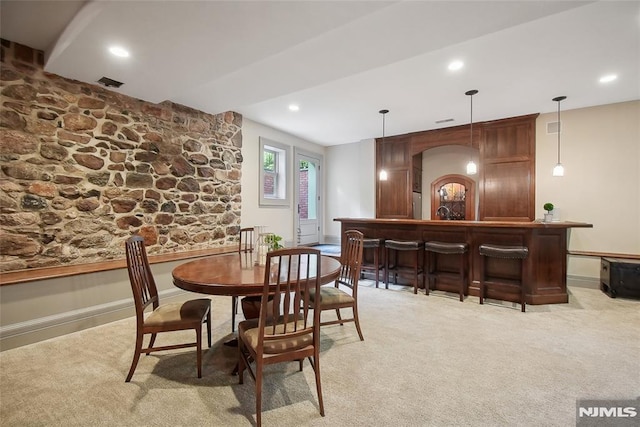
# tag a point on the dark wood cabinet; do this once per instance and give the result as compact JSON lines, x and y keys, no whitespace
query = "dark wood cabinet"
{"x":416,"y":180}
{"x":506,"y":184}
{"x":507,"y":172}
{"x":394,"y":195}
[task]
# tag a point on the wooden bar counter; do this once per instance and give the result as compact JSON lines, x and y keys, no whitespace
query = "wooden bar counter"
{"x":545,"y":266}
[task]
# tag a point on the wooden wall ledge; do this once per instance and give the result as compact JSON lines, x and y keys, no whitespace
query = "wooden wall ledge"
{"x":604,"y":254}
{"x":30,"y":275}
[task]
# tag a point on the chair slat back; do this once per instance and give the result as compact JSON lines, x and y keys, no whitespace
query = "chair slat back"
{"x":246,"y":240}
{"x":351,"y":259}
{"x":289,"y":274}
{"x":143,"y":284}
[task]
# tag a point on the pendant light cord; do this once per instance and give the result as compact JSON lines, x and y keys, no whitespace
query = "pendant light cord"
{"x":559,"y":99}
{"x":471,"y":124}
{"x":383,"y":173}
{"x":559,"y":130}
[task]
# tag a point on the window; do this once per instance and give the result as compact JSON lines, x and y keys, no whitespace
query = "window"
{"x":274,"y":176}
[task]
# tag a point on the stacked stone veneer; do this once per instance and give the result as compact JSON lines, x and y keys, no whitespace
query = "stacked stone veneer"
{"x":84,"y":168}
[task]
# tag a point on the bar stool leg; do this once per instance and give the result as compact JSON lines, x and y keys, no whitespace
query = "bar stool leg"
{"x":481,"y":290}
{"x":415,"y":273}
{"x":375,"y":262}
{"x":463,"y":275}
{"x":523,"y":303}
{"x":386,"y":268}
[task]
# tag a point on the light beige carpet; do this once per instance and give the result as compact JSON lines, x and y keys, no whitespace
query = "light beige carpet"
{"x":425,"y":361}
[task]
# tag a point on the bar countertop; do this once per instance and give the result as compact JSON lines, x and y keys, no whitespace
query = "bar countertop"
{"x":455,"y":223}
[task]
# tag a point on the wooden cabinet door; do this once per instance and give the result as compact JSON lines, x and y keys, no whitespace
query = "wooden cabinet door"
{"x":507,"y":173}
{"x":394,"y":195}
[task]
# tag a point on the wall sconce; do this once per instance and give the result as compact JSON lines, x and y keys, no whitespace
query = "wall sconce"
{"x":472,"y":168}
{"x":383,"y":172}
{"x":558,"y":169}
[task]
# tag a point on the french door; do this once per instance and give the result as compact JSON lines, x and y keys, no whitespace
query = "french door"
{"x":308,"y":210}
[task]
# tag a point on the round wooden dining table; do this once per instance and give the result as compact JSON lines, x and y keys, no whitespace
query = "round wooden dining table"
{"x":235,"y":274}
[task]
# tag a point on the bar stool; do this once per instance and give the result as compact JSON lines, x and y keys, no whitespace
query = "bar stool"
{"x":505,"y":252}
{"x":378,"y":264}
{"x":432,"y":248}
{"x":392,"y":247}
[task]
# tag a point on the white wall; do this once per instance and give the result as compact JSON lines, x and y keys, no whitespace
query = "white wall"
{"x":279,"y":220}
{"x":350,"y":184}
{"x":600,"y":151}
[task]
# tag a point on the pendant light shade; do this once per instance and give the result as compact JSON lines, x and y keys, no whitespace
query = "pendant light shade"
{"x":383,"y":173}
{"x":558,"y":169}
{"x":472,"y":168}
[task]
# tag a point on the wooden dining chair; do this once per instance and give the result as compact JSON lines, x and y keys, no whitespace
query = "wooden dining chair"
{"x":344,"y":293}
{"x":288,"y":328}
{"x":164,"y":318}
{"x":245,"y":245}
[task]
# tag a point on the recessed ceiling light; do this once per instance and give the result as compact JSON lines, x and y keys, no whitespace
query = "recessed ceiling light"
{"x":608,"y":78}
{"x":456,"y":65}
{"x":294,"y":107}
{"x":119,"y":51}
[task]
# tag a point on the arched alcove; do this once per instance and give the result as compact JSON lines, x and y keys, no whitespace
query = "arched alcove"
{"x":457,"y":193}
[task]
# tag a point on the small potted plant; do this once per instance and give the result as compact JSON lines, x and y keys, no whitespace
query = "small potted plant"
{"x":548,"y":217}
{"x":273,"y":240}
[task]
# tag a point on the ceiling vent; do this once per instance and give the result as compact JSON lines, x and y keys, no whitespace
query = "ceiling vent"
{"x":106,"y":81}
{"x":553,"y":127}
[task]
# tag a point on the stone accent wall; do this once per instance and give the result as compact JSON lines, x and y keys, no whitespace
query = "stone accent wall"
{"x":83,"y":168}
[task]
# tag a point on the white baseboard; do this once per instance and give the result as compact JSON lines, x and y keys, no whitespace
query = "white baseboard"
{"x":583,"y":281}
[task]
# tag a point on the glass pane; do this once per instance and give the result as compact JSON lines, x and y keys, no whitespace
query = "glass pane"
{"x":269,"y":162}
{"x":308,"y":188}
{"x":452,"y":201}
{"x":269,"y":189}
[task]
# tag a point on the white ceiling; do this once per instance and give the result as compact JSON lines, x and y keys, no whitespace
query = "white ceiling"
{"x":343,"y":61}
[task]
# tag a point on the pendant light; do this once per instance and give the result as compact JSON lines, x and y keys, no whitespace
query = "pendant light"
{"x":383,"y":173}
{"x":472,"y":168}
{"x":558,"y":170}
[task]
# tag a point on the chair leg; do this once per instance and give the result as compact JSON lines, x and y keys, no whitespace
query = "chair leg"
{"x":152,"y":341}
{"x":339,"y":317}
{"x":259,"y":393}
{"x":316,"y":368}
{"x":241,"y":363}
{"x":136,"y":356}
{"x":357,"y":321}
{"x":209,"y":328}
{"x":199,"y":350}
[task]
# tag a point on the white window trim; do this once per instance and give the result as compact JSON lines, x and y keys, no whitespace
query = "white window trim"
{"x":283,"y":164}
